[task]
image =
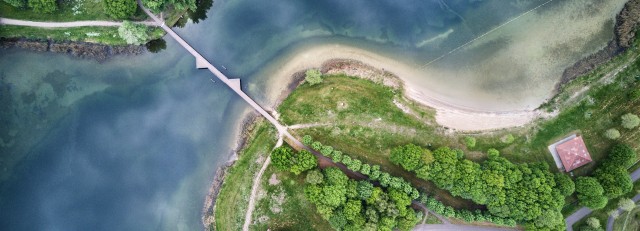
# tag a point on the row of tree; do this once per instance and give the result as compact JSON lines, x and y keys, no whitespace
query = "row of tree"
{"x":480,"y":216}
{"x":523,"y":192}
{"x":358,"y":205}
{"x":284,"y":159}
{"x":372,"y":171}
{"x":610,"y":180}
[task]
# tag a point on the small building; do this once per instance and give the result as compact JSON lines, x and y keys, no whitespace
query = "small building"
{"x":570,"y":153}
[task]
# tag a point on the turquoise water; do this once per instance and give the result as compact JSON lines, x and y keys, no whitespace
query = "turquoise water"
{"x":132,"y":143}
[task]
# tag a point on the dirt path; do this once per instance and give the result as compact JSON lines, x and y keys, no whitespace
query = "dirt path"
{"x":17,"y":22}
{"x":256,"y":186}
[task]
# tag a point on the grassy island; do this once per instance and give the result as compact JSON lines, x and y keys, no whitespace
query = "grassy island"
{"x":366,"y":119}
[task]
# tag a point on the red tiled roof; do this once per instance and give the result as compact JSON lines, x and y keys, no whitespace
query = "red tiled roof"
{"x":573,"y":153}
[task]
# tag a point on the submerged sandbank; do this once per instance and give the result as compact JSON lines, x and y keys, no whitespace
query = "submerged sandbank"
{"x":496,"y":81}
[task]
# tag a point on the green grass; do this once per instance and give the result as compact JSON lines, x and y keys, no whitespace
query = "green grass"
{"x":234,"y":194}
{"x":284,"y":206}
{"x":102,"y":35}
{"x":431,"y":219}
{"x":85,"y":10}
{"x":628,"y":221}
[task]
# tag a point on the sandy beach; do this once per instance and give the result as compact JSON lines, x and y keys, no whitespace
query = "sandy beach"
{"x":448,"y":115}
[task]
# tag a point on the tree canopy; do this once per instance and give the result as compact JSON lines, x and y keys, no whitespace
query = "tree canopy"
{"x":120,"y":9}
{"x":630,"y":121}
{"x":590,"y":193}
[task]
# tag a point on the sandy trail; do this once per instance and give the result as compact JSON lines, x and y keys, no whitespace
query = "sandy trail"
{"x":256,"y":186}
{"x":16,"y":22}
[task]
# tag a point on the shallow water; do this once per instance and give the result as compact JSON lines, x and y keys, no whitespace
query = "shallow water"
{"x":132,"y":143}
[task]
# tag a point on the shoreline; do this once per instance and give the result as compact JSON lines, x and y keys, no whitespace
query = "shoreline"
{"x":84,"y":50}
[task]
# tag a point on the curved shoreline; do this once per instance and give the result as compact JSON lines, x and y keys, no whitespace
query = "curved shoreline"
{"x":447,"y":114}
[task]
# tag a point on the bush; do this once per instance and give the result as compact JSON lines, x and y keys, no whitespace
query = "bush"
{"x":612,"y":134}
{"x":635,"y":94}
{"x":469,"y":141}
{"x":314,"y":177}
{"x":365,"y":169}
{"x":43,"y":6}
{"x":621,"y":155}
{"x":16,"y":3}
{"x":313,"y":77}
{"x":507,"y":139}
{"x":410,"y":156}
{"x":120,"y":9}
{"x":593,"y":222}
{"x":630,"y":121}
{"x":132,"y":33}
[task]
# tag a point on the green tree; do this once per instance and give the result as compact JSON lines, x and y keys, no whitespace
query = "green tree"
{"x":132,"y":33}
{"x":469,"y":141}
{"x":408,"y":156}
{"x":352,"y":209}
{"x":355,"y":165}
{"x":336,"y":156}
{"x":590,"y":193}
{"x":630,"y":121}
{"x":346,"y":160}
{"x":612,"y":134}
{"x":158,"y":5}
{"x":564,"y":184}
{"x":364,"y":190}
{"x":614,"y":180}
{"x":334,"y":176}
{"x":304,"y":161}
{"x":635,"y":94}
{"x":375,"y":172}
{"x":316,"y":145}
{"x":43,"y":6}
{"x":326,"y":150}
{"x":16,"y":3}
{"x":281,"y":158}
{"x":621,"y":155}
{"x":120,"y":9}
{"x":307,"y":140}
{"x":314,"y":177}
{"x":365,"y":169}
{"x":313,"y":77}
{"x":626,"y":204}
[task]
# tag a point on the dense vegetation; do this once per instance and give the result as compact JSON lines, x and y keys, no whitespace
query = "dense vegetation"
{"x":523,"y":192}
{"x":610,"y":180}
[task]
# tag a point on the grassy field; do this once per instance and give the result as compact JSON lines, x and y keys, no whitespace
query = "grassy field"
{"x":73,"y":10}
{"x":234,"y":195}
{"x":628,"y":221}
{"x":283,"y":205}
{"x":102,"y":35}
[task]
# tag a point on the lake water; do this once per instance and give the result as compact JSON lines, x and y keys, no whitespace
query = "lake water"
{"x":132,"y":143}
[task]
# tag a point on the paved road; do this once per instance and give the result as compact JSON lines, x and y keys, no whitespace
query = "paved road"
{"x":584,"y":211}
{"x":612,"y":219}
{"x":16,"y":22}
{"x":453,"y":227}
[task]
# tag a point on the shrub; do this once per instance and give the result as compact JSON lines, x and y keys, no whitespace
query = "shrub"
{"x":314,"y":177}
{"x":630,"y":121}
{"x":16,"y":3}
{"x":507,"y":139}
{"x":469,"y":141}
{"x":621,"y":155}
{"x":612,"y":134}
{"x":132,"y":33}
{"x":365,"y":169}
{"x":593,"y":222}
{"x":635,"y":94}
{"x":313,"y":77}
